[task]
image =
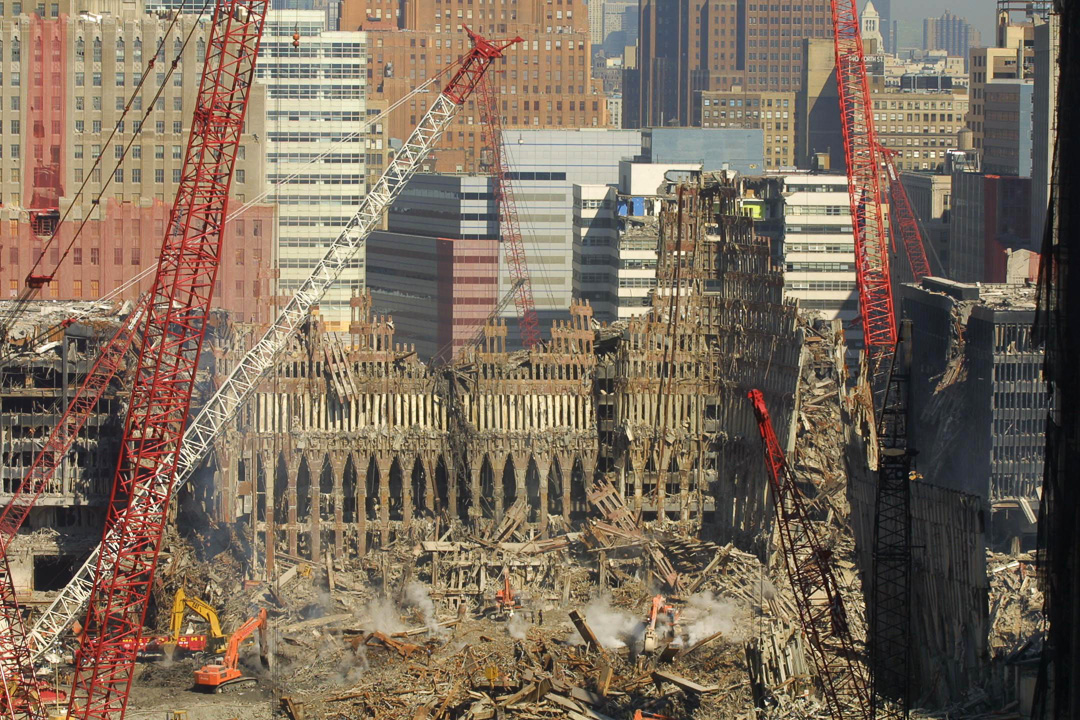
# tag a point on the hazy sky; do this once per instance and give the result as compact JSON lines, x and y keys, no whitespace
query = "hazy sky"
{"x":910,"y":14}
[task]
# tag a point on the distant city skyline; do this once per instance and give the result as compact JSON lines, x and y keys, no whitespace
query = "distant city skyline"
{"x":910,"y":14}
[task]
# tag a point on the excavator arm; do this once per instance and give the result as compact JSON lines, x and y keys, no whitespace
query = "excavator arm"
{"x":219,"y":675}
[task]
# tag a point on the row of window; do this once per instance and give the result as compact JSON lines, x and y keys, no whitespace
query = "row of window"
{"x":823,"y":285}
{"x":820,"y":267}
{"x":136,"y":126}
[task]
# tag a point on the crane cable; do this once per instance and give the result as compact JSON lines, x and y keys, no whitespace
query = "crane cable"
{"x":35,"y":281}
{"x":10,"y":313}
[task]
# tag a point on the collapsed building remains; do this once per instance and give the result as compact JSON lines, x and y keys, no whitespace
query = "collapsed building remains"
{"x":351,"y":440}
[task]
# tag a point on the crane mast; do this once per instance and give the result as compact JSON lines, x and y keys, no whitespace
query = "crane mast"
{"x":863,"y":155}
{"x":510,"y":227}
{"x":905,"y":220}
{"x":169,"y":349}
{"x":817,"y":593}
{"x":241,"y":382}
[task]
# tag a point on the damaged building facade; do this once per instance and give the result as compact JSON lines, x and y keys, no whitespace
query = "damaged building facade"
{"x":44,"y":361}
{"x":352,"y":439}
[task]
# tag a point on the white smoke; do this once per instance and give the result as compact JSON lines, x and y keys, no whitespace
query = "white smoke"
{"x":416,"y":595}
{"x":705,"y":615}
{"x":384,"y":616}
{"x":518,"y":627}
{"x":613,"y":627}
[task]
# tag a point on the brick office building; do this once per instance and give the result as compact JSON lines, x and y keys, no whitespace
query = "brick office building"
{"x":543,"y":82}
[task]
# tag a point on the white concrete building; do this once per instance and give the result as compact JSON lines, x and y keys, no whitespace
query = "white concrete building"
{"x":615,"y":236}
{"x":315,"y":104}
{"x":819,"y":245}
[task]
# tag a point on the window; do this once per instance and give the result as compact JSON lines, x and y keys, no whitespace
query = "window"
{"x":15,"y":128}
{"x":136,"y":256}
{"x":118,"y":256}
{"x":97,"y":79}
{"x":118,"y":175}
{"x":76,"y":255}
{"x":136,"y":175}
{"x":159,"y":152}
{"x":159,"y":126}
{"x":159,"y":176}
{"x":178,"y":103}
{"x":118,"y":151}
{"x":95,"y":126}
{"x":95,"y":256}
{"x":177,"y":127}
{"x":78,"y":152}
{"x":241,"y":176}
{"x":136,"y":151}
{"x":176,"y":150}
{"x":120,"y":78}
{"x":76,"y":288}
{"x":80,"y":79}
{"x":97,"y":49}
{"x":176,"y":175}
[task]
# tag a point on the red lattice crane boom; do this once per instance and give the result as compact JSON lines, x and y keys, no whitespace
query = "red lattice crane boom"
{"x":905,"y":219}
{"x":817,"y":593}
{"x":863,"y":155}
{"x":506,"y":203}
{"x":168,"y":357}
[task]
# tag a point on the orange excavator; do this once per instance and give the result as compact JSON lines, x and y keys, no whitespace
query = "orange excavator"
{"x":659,"y":606}
{"x":222,"y":675}
{"x":506,"y":600}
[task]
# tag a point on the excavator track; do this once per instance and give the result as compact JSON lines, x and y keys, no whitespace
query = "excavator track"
{"x":233,"y":686}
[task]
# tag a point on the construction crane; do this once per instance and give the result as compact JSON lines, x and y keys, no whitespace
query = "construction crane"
{"x":889,"y":608}
{"x":905,"y":219}
{"x":234,"y":391}
{"x":817,"y":593}
{"x":219,"y":676}
{"x":168,"y":356}
{"x":506,"y":203}
{"x":863,"y":154}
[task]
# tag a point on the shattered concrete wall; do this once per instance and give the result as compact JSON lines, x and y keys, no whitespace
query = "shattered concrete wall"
{"x":353,"y":438}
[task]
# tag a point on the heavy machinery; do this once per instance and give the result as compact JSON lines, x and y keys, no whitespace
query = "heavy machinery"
{"x":817,"y":593}
{"x":182,"y":602}
{"x":231,"y":394}
{"x":660,"y":610}
{"x":506,"y":204}
{"x":225,"y":674}
{"x":199,"y":642}
{"x":169,"y":348}
{"x":864,"y":163}
{"x":905,"y":219}
{"x":506,"y":600}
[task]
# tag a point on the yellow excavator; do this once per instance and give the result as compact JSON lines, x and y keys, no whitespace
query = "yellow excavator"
{"x":153,"y":646}
{"x":183,"y":602}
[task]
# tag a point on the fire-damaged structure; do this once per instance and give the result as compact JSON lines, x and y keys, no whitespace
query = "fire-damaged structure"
{"x":353,"y":438}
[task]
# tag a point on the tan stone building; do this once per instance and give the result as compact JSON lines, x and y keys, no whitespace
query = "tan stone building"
{"x":920,"y":126}
{"x":772,"y":112}
{"x":544,"y":82}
